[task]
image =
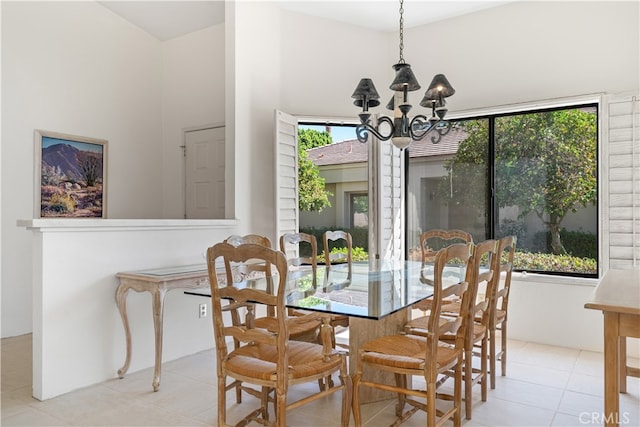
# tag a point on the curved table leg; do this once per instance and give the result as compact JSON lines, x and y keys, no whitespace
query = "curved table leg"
{"x":121,"y":301}
{"x":158,"y":308}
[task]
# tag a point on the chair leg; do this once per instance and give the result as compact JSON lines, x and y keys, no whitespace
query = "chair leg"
{"x":355,"y":399}
{"x":264,"y":398}
{"x":483,"y":369}
{"x":503,"y":357}
{"x":468,"y":382}
{"x":457,"y":395}
{"x":347,"y":392}
{"x":401,"y":382}
{"x":492,"y":357}
{"x":431,"y":402}
{"x":281,"y":408}
{"x":222,"y":401}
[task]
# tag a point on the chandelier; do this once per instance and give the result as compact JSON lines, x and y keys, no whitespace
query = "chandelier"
{"x":402,"y":130}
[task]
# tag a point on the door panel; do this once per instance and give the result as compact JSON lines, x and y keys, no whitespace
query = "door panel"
{"x":204,"y":169}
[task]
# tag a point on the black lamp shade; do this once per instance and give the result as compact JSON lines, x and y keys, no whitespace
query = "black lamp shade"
{"x":404,"y":77}
{"x":366,"y":92}
{"x":439,"y":88}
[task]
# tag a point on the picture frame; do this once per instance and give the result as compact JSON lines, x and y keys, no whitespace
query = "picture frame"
{"x":70,"y":176}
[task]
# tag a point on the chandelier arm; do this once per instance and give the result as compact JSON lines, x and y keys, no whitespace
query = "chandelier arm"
{"x":419,"y":127}
{"x":362,"y":130}
{"x":441,"y":131}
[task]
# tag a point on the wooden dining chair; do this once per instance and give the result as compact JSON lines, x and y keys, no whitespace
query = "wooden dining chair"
{"x":336,"y":236}
{"x":304,"y":331}
{"x":300,"y":330}
{"x":500,"y":302}
{"x":271,"y":362}
{"x":481,"y":274}
{"x":431,"y":241}
{"x":301,"y":251}
{"x":424,"y":356}
{"x":293,"y":245}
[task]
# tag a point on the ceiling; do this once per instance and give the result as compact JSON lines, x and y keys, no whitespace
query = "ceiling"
{"x":169,"y":19}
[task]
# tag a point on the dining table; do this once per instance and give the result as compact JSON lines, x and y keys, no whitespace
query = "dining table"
{"x":376,"y":295}
{"x":618,"y":297}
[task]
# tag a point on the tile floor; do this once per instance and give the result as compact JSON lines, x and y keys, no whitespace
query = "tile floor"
{"x":545,"y":386}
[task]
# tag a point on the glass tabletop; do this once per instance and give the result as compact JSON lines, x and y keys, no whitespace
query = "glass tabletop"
{"x":369,"y":290}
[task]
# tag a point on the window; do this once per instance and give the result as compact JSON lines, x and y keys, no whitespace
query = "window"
{"x":358,"y":210}
{"x":338,"y":166}
{"x":531,"y":174}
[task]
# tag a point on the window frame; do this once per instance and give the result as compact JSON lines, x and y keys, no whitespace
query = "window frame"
{"x":528,"y":108}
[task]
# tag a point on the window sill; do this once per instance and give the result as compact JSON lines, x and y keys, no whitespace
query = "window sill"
{"x":556,"y":280}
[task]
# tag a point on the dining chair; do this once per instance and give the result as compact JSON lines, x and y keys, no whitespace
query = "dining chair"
{"x":334,"y":258}
{"x":500,"y":303}
{"x":431,"y":241}
{"x":481,"y":274}
{"x":293,"y":245}
{"x":424,"y":356}
{"x":301,"y":251}
{"x":304,"y":331}
{"x":271,"y":362}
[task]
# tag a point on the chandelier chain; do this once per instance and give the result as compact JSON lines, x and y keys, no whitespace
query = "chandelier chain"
{"x":401,"y":61}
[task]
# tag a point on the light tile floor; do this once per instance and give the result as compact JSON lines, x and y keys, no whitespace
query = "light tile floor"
{"x":544,"y":386}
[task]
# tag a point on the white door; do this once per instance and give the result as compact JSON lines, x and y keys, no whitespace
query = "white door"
{"x":204,"y":170}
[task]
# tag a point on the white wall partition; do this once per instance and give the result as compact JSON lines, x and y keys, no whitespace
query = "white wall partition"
{"x":78,"y":334}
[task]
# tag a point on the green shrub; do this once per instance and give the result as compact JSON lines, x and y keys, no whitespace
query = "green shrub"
{"x":529,"y":261}
{"x":357,"y":253}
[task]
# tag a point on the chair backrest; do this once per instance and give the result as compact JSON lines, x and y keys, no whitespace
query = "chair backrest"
{"x":461,"y":255}
{"x":506,"y":251}
{"x":255,"y":267}
{"x":293,"y":245}
{"x":486,"y":266}
{"x":330,"y":236}
{"x":236,"y":294}
{"x":431,"y":241}
{"x":257,"y":239}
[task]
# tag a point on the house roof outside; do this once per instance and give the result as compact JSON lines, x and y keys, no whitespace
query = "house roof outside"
{"x":353,"y":151}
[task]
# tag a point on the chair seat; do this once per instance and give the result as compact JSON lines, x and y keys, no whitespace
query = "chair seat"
{"x":260,"y":361}
{"x":306,"y":331}
{"x":406,"y":352}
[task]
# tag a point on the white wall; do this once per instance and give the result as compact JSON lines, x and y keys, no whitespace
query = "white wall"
{"x":76,"y":68}
{"x":78,"y":334}
{"x":193,"y":85}
{"x":529,"y":50}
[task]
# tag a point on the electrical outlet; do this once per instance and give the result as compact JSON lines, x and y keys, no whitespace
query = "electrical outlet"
{"x":203,"y":310}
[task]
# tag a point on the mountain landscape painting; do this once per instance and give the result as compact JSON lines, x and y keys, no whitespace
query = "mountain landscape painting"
{"x":72,"y":176}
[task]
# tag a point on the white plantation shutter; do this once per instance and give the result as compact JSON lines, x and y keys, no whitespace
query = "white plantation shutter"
{"x":388,"y":171}
{"x":622,"y":169}
{"x":286,"y":139}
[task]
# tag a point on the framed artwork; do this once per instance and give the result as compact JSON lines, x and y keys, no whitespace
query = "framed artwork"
{"x":71,"y":176}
